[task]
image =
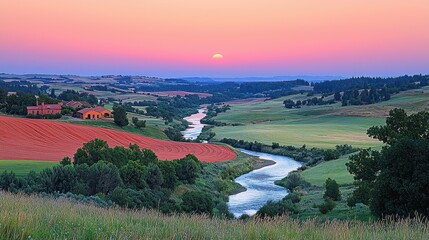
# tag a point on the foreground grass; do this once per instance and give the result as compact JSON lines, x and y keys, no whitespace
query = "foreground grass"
{"x":22,"y":167}
{"x":31,"y":217}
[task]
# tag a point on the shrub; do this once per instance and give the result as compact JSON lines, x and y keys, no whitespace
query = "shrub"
{"x":272,"y":209}
{"x":332,"y":190}
{"x":330,"y":154}
{"x":197,"y":202}
{"x":327,"y":206}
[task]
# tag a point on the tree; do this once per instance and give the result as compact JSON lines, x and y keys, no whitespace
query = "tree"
{"x":330,"y":154}
{"x":395,"y":181}
{"x":138,"y":123}
{"x":103,"y":177}
{"x":154,"y":176}
{"x":289,"y":103}
{"x":197,"y":202}
{"x":332,"y":190}
{"x":168,"y":169}
{"x":337,"y":96}
{"x":91,"y":152}
{"x":134,"y":175}
{"x":120,"y":116}
{"x":66,"y":161}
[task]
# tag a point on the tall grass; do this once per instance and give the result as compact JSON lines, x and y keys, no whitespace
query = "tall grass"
{"x":32,"y":217}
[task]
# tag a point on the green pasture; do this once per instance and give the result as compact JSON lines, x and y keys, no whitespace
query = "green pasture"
{"x":22,"y":167}
{"x":323,"y":131}
{"x":315,"y":126}
{"x":334,"y":169}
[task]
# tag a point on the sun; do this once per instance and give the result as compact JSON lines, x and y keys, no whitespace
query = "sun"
{"x":217,"y":56}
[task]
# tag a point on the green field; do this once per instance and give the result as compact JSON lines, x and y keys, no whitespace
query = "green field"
{"x":22,"y":167}
{"x":310,"y":200}
{"x":334,"y":169}
{"x":32,"y":217}
{"x":315,"y":126}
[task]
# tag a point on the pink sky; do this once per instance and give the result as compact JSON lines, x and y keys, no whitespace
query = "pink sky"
{"x":179,"y":37}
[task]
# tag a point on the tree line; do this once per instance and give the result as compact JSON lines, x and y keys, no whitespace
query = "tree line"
{"x":129,"y":177}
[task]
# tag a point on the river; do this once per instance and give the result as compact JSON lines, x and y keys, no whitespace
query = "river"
{"x":195,"y":126}
{"x":260,"y":184}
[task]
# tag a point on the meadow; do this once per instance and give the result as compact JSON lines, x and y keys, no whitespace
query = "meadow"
{"x":315,"y":126}
{"x":32,"y":217}
{"x":334,"y":169}
{"x":22,"y":167}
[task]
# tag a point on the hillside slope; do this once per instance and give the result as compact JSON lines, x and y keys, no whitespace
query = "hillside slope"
{"x":31,"y":139}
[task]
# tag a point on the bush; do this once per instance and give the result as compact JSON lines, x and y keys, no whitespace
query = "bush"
{"x":292,"y":181}
{"x":330,"y":154}
{"x":293,"y":197}
{"x":272,"y":209}
{"x":138,"y":123}
{"x":173,"y":134}
{"x":327,"y":206}
{"x":197,"y":202}
{"x":332,"y":190}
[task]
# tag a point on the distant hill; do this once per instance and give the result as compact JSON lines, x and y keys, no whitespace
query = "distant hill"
{"x":264,"y":79}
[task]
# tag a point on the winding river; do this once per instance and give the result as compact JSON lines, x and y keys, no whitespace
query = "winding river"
{"x":195,"y":126}
{"x":260,"y":184}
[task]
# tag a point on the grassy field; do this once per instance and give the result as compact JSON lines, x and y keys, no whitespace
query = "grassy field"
{"x":334,"y":169}
{"x":31,"y":217}
{"x":22,"y":167}
{"x":315,"y":126}
{"x":310,"y":200}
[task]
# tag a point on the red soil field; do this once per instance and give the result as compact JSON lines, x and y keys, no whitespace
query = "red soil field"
{"x":34,"y":139}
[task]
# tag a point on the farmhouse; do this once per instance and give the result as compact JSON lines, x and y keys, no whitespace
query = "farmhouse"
{"x":94,"y":113}
{"x":44,"y":109}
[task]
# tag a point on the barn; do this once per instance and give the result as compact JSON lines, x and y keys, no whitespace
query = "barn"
{"x":94,"y":113}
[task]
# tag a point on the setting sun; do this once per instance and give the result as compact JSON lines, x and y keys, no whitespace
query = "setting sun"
{"x":217,"y":56}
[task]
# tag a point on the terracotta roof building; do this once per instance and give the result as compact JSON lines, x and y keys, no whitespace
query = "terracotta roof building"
{"x":44,"y":109}
{"x":94,"y":113}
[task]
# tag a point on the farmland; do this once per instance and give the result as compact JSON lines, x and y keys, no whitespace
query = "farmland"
{"x":35,"y":140}
{"x":315,"y":126}
{"x":22,"y":167}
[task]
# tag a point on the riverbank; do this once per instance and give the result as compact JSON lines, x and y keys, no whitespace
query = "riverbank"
{"x":195,"y":126}
{"x":259,"y":183}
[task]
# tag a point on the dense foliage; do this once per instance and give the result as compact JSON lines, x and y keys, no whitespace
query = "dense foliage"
{"x":70,"y":95}
{"x":120,"y":116}
{"x":395,"y":180}
{"x":308,"y":156}
{"x":129,"y":177}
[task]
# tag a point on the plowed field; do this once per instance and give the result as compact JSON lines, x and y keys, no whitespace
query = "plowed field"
{"x":31,"y":139}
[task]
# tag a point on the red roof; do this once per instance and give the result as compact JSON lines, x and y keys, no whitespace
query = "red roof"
{"x":45,"y":107}
{"x":97,"y":109}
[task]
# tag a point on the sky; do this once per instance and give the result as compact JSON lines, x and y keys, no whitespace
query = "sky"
{"x":173,"y":38}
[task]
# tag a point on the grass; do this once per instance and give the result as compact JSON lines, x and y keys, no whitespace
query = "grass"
{"x":315,"y":126}
{"x":313,"y":197}
{"x":22,"y":167}
{"x":32,"y":217}
{"x":334,"y":169}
